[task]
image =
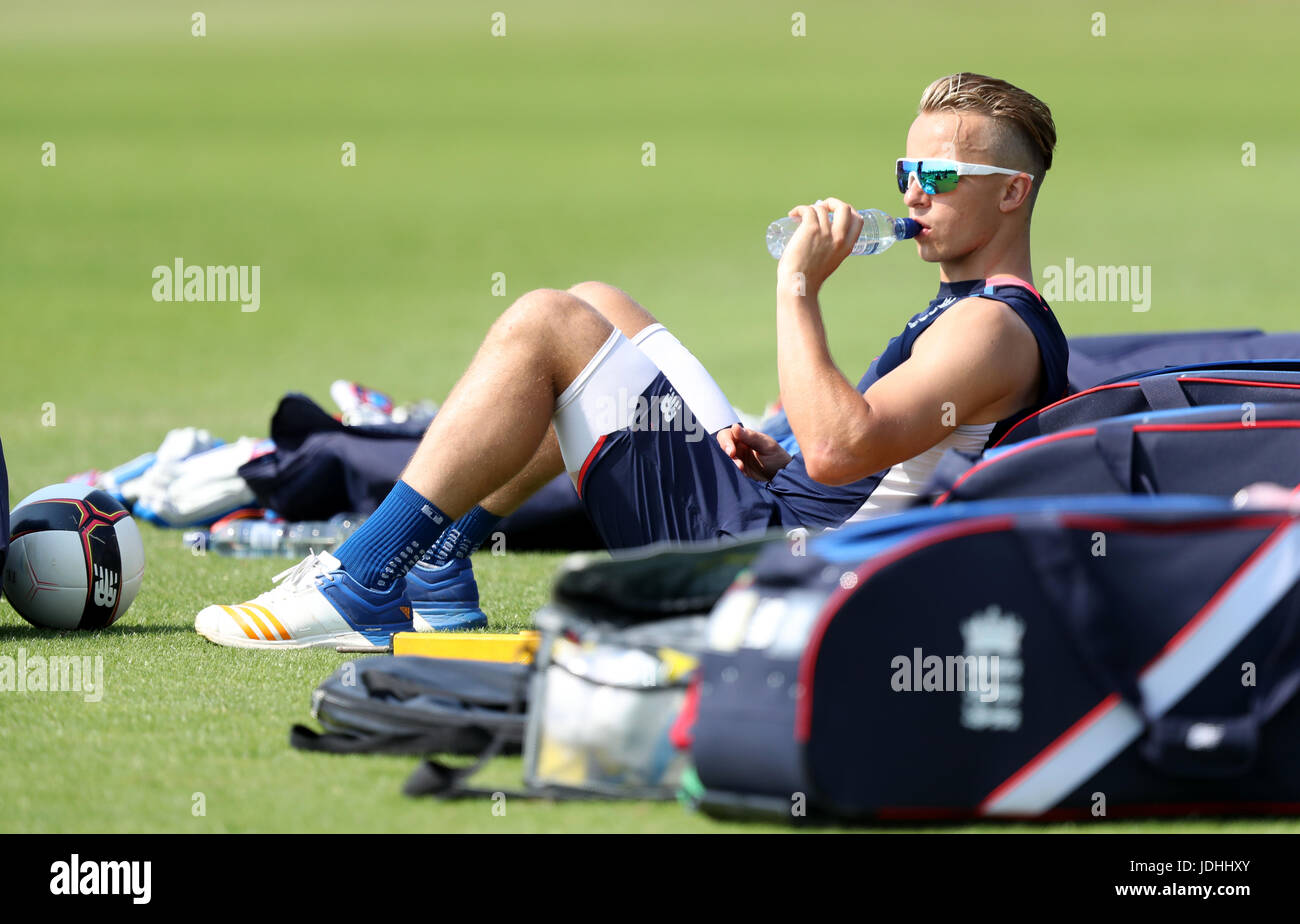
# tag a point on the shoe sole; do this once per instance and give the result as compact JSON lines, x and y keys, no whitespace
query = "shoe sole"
{"x":432,"y":620}
{"x":352,"y":639}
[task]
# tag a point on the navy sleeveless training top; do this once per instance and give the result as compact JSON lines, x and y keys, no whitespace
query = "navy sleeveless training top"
{"x":810,"y":503}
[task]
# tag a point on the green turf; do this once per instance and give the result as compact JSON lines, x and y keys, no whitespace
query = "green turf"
{"x":520,"y":155}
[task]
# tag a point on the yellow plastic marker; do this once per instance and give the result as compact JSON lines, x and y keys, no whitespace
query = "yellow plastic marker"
{"x":512,"y":648}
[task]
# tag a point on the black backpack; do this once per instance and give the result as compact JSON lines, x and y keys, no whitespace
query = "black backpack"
{"x":411,"y":705}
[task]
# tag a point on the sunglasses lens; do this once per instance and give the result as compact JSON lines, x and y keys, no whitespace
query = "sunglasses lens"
{"x":938,"y":181}
{"x":903,"y":172}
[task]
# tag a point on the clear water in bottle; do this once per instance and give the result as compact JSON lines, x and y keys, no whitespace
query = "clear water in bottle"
{"x":252,"y":538}
{"x":317,"y":536}
{"x":879,"y":233}
{"x":247,"y":538}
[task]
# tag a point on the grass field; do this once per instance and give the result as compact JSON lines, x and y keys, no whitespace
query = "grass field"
{"x":520,"y":155}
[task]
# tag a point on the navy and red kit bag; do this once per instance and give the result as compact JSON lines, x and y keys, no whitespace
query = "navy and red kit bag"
{"x":1160,"y":390}
{"x":1108,"y":357}
{"x":1208,"y":450}
{"x":1066,"y":658}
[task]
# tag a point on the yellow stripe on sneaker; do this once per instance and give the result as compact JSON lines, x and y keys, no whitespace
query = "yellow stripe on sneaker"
{"x":239,"y":620}
{"x":248,"y":611}
{"x":270,"y":617}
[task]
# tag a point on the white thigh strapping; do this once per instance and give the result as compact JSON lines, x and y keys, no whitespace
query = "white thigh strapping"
{"x":601,"y":399}
{"x":688,"y":375}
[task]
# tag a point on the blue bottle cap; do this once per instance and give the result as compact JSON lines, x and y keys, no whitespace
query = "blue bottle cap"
{"x":911,"y":228}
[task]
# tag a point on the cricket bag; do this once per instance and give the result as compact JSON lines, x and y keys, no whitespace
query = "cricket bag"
{"x":1160,"y":390}
{"x":1208,"y":450}
{"x":1068,"y":658}
{"x":1097,"y":359}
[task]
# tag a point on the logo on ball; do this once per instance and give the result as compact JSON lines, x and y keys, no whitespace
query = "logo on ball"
{"x":75,"y":558}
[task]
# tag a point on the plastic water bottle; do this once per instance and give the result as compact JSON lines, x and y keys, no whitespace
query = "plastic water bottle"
{"x":244,"y":538}
{"x":250,"y":538}
{"x":319,"y":535}
{"x":879,"y":232}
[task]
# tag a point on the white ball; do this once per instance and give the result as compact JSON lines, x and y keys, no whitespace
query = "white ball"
{"x":75,"y":558}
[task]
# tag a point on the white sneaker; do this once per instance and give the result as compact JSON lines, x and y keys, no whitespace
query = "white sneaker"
{"x":315,"y":604}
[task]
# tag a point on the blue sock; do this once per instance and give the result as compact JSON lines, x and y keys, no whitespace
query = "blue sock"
{"x":393,"y":538}
{"x":462,"y":537}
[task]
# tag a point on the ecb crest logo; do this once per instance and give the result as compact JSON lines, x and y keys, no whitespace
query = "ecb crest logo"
{"x":994,"y":634}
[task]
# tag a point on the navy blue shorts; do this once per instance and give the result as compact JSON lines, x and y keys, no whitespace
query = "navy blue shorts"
{"x":672,"y":483}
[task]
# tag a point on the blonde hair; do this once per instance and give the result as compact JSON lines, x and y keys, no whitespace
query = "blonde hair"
{"x":1024,"y":135}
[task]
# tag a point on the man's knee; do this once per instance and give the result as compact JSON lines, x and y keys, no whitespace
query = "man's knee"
{"x":547,"y":308}
{"x":593,"y":291}
{"x":619,"y":308}
{"x":553,"y":319}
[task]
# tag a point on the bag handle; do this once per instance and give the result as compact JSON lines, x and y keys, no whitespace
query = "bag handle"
{"x":434,"y":778}
{"x":1164,"y":392}
{"x":1202,"y":747}
{"x":1115,"y":447}
{"x":303,"y":738}
{"x":446,"y":783}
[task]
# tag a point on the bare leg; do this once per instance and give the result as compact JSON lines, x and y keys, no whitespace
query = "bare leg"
{"x":496,"y":418}
{"x":545,"y":464}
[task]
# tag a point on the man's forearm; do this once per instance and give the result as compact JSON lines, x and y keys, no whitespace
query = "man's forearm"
{"x":828,"y":415}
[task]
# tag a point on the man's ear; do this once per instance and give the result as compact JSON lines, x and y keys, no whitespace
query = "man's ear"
{"x":1016,"y":192}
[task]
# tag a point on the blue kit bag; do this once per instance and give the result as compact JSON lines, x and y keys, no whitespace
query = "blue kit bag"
{"x":1104,"y":358}
{"x":1161,"y":390}
{"x":1063,"y":658}
{"x":1207,"y":450}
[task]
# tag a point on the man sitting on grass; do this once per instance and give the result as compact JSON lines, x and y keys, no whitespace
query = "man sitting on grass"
{"x":585,"y":380}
